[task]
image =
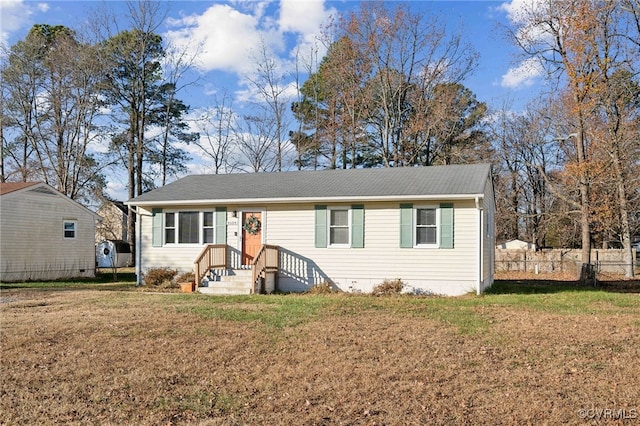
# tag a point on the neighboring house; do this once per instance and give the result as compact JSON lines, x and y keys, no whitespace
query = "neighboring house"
{"x":431,"y":227}
{"x":113,"y":225}
{"x":44,"y":235}
{"x":516,"y":245}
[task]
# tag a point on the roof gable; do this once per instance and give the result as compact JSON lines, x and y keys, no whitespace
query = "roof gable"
{"x":114,"y":206}
{"x":461,"y":181}
{"x":15,"y":189}
{"x":7,"y":187}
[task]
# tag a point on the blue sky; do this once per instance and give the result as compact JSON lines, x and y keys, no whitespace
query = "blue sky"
{"x":232,"y":26}
{"x":228,"y":32}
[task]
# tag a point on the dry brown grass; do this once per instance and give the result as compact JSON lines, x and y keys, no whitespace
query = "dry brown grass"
{"x":104,"y":357}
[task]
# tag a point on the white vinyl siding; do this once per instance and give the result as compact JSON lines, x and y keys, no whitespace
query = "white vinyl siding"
{"x":303,"y":263}
{"x":443,"y":271}
{"x":33,"y":245}
{"x":488,"y":237}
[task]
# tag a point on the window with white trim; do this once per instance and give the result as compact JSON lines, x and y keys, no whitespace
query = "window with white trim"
{"x":169,"y":228}
{"x":426,"y":227}
{"x":340,"y":226}
{"x":69,"y":228}
{"x":189,"y":227}
{"x":208,"y":227}
{"x":339,"y":229}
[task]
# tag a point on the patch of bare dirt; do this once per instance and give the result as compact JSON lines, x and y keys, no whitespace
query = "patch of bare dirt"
{"x":527,"y":276}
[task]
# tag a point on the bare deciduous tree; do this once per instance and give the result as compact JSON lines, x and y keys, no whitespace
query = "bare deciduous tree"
{"x":582,"y":45}
{"x":218,"y":140}
{"x":257,"y":142}
{"x":50,"y":107}
{"x":270,"y":81}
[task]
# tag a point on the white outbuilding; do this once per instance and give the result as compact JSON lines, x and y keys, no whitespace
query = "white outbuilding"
{"x":44,"y":235}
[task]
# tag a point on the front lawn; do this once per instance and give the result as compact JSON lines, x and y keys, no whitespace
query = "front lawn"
{"x":111,"y":354}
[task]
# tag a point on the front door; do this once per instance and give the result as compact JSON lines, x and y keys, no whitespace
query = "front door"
{"x":251,"y":236}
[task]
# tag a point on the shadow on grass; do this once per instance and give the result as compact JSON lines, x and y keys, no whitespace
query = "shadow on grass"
{"x":102,"y":281}
{"x":557,"y":286}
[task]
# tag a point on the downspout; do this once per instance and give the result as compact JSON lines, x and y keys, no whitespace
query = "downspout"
{"x":480,"y":248}
{"x":138,"y":243}
{"x":138,"y":248}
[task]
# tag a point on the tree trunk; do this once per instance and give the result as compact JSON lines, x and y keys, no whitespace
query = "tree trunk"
{"x":624,"y":215}
{"x":131,"y":194}
{"x":586,"y":271}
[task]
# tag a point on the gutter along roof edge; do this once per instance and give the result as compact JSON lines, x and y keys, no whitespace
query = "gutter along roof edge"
{"x":304,"y":200}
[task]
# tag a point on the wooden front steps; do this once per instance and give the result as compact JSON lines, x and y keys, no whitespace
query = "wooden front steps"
{"x":227,"y":282}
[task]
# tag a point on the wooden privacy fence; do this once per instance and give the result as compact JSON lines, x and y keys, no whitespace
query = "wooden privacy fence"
{"x":558,"y":260}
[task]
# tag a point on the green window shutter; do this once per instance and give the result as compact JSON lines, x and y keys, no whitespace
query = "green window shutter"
{"x":446,"y":226}
{"x":156,"y":234}
{"x":321,"y":226}
{"x":221,"y":225}
{"x":357,"y":226}
{"x":406,"y":225}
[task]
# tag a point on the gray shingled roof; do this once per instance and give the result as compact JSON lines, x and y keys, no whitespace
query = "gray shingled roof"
{"x":452,"y":181}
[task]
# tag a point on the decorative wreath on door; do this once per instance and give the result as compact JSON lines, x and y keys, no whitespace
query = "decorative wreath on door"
{"x":252,"y":225}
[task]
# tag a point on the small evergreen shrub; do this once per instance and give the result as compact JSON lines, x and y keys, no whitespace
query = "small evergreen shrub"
{"x":388,"y":288}
{"x":159,"y":277}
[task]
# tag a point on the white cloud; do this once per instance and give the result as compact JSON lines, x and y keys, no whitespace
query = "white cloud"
{"x":223,"y":34}
{"x":517,"y":10}
{"x":228,"y":36}
{"x":305,"y":17}
{"x":523,"y":75}
{"x":14,"y":15}
{"x":117,"y":190}
{"x":524,"y":15}
{"x":521,"y":14}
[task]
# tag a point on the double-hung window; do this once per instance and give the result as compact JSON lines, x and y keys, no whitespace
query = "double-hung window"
{"x":170,"y":228}
{"x":69,"y":229}
{"x":208,"y":227}
{"x":339,"y":226}
{"x":426,"y":226}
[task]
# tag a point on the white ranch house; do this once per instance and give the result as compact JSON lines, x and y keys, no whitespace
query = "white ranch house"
{"x":431,"y":227}
{"x":44,"y":235}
